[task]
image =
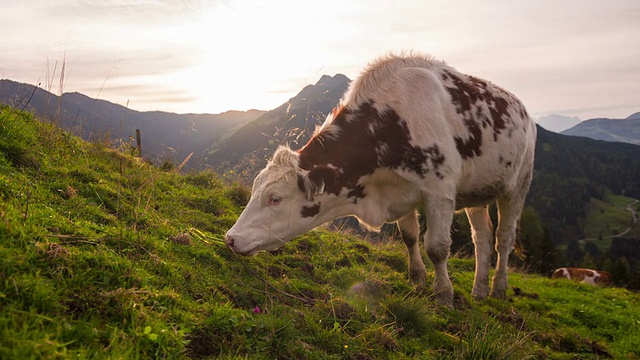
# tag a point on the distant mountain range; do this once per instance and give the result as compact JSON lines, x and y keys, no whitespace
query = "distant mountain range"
{"x":620,"y":130}
{"x":238,"y":141}
{"x":164,"y":136}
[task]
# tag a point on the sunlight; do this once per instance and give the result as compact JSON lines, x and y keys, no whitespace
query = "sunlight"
{"x":260,"y":53}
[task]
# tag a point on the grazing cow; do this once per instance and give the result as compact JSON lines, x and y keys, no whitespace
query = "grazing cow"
{"x":588,"y":276}
{"x":409,"y":132}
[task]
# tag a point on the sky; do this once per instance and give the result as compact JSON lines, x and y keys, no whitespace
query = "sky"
{"x":569,"y":57}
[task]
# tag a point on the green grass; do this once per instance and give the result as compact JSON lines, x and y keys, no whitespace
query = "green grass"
{"x":609,"y":217}
{"x":103,"y":255}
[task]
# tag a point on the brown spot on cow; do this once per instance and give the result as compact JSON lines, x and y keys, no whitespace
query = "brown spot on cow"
{"x":504,"y":162}
{"x":387,"y":144}
{"x":472,"y":146}
{"x":310,"y":211}
{"x":481,"y":105}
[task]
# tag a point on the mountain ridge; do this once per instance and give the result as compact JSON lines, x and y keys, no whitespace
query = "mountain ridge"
{"x":246,"y":151}
{"x":634,"y":116}
{"x":619,"y":130}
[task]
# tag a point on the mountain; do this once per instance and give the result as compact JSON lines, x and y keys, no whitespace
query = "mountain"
{"x":557,"y":123}
{"x":248,"y":148}
{"x":164,"y":136}
{"x":621,"y":130}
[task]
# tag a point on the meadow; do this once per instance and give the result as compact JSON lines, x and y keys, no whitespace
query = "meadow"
{"x":105,"y":255}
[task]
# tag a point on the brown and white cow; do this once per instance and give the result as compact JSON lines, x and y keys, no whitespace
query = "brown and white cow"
{"x":587,"y":276}
{"x":410,"y":131}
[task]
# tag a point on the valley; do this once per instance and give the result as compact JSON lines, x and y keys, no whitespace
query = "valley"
{"x":614,"y":216}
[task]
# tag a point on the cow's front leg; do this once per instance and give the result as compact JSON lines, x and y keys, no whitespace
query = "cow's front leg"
{"x":438,"y":245}
{"x":410,"y":231}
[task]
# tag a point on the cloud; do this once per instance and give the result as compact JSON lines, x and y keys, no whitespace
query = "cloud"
{"x":138,"y":13}
{"x":247,"y":54}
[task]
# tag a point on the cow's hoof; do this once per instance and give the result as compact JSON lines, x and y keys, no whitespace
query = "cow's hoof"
{"x":501,"y":294}
{"x":418,"y":277}
{"x":444,"y":298}
{"x":478,"y":294}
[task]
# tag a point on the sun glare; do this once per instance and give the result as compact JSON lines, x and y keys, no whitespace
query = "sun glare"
{"x":254,"y":55}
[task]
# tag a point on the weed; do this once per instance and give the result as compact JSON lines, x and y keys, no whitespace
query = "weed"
{"x":484,"y":340}
{"x":410,"y":316}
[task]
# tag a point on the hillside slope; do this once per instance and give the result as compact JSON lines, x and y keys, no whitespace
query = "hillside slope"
{"x":165,"y":136}
{"x":105,"y":256}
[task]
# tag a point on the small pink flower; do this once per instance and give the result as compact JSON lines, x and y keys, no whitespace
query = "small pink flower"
{"x":256,"y":310}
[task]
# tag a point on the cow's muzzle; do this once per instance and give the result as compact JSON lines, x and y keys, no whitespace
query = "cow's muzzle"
{"x":231,"y":242}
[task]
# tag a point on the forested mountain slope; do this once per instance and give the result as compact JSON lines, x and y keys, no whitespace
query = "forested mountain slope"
{"x":571,"y":170}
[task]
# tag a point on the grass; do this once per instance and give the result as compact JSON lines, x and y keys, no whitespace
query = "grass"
{"x":609,"y":217}
{"x":103,"y":255}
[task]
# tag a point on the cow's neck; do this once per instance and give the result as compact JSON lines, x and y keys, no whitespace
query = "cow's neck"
{"x":352,"y":143}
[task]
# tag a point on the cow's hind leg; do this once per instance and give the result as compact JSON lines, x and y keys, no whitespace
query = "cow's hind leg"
{"x":482,"y":234}
{"x":410,"y":231}
{"x":438,"y":244}
{"x":509,"y":210}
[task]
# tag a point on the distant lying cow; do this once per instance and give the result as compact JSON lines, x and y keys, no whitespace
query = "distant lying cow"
{"x":587,"y":276}
{"x":409,"y":132}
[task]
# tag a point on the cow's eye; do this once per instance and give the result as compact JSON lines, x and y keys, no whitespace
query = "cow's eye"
{"x":274,"y":200}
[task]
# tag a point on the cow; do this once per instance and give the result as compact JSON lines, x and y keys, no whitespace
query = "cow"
{"x":410,"y":131}
{"x":587,"y":276}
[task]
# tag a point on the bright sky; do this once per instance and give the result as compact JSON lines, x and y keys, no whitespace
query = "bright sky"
{"x":571,"y":57}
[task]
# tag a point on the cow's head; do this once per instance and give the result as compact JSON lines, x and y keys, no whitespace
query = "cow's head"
{"x":285,"y":202}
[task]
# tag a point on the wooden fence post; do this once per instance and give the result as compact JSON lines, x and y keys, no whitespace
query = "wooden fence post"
{"x":138,"y":144}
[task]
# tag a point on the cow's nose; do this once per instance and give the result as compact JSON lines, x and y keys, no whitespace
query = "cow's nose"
{"x":229,"y":240}
{"x":237,"y":244}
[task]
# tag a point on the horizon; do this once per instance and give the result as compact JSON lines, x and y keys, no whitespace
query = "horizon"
{"x":211,"y":57}
{"x":536,"y":119}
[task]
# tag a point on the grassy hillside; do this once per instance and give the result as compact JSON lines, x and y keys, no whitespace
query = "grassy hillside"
{"x":609,"y":217}
{"x":105,"y":256}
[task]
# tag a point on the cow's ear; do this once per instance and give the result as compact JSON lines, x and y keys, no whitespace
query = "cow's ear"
{"x":317,"y":180}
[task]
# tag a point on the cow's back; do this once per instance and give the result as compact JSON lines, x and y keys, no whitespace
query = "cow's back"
{"x":484,"y":133}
